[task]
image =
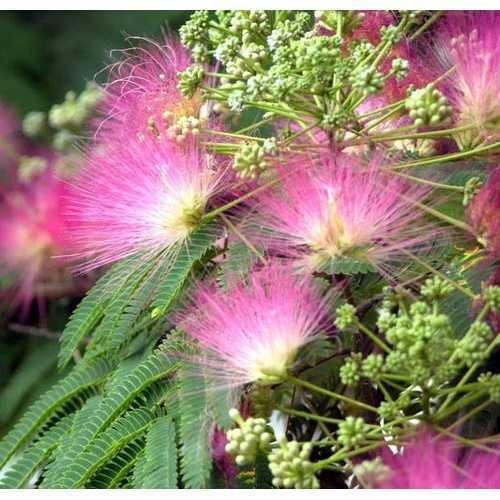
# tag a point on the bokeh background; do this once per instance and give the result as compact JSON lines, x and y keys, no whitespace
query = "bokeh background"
{"x":43,"y":55}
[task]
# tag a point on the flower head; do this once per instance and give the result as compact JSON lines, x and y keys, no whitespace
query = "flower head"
{"x":141,"y":196}
{"x":33,"y":230}
{"x":483,"y":213}
{"x":469,"y":42}
{"x":430,"y":461}
{"x":143,"y":95}
{"x":253,"y":332}
{"x":328,"y":211}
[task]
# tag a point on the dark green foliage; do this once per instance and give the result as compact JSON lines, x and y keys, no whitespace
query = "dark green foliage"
{"x":38,"y":362}
{"x":193,"y":250}
{"x":86,"y":376}
{"x":194,"y":430}
{"x":91,"y":310}
{"x":157,"y":465}
{"x":35,"y":456}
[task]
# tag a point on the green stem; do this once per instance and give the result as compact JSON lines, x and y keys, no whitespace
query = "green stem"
{"x":469,"y":414}
{"x":243,"y":238}
{"x":214,"y":213}
{"x":234,"y":135}
{"x":437,"y":185}
{"x":428,"y":23}
{"x":445,"y":218}
{"x":447,"y":157}
{"x":387,"y":137}
{"x":373,"y":337}
{"x":331,"y":394}
{"x":424,"y":264}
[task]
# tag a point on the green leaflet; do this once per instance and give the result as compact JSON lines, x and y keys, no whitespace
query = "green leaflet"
{"x":346,"y":265}
{"x":194,"y":430}
{"x":157,"y":465}
{"x":190,"y":252}
{"x":90,"y":310}
{"x":69,"y":448}
{"x":117,"y":473}
{"x":133,"y":387}
{"x":86,"y":375}
{"x":122,"y":432}
{"x":34,"y":457}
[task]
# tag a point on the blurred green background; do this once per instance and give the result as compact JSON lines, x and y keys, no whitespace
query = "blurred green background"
{"x":43,"y":55}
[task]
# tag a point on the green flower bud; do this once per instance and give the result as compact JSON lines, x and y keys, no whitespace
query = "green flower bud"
{"x":345,"y":316}
{"x":435,"y":288}
{"x":350,"y":371}
{"x":190,"y":79}
{"x":400,"y":67}
{"x":250,"y":160}
{"x":491,"y":296}
{"x":352,"y":431}
{"x":35,"y":123}
{"x":251,"y":436}
{"x":428,"y":106}
{"x":372,"y":366}
{"x":290,"y":465}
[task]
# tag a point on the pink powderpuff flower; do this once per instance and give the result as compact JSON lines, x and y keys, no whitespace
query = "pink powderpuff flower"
{"x":483,"y":213}
{"x":142,"y":196}
{"x":338,"y":208}
{"x":33,"y":230}
{"x":142,"y":95}
{"x":430,"y":461}
{"x":253,"y":332}
{"x":469,"y":42}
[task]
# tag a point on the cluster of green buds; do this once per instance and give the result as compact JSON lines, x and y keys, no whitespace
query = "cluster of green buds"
{"x":424,"y":343}
{"x":250,"y":161}
{"x":185,"y":126}
{"x":190,"y":79}
{"x":355,"y":367}
{"x":368,"y":81}
{"x":290,"y":465}
{"x":400,"y":68}
{"x":491,"y":295}
{"x":493,"y":384}
{"x":473,"y":346}
{"x":279,"y":57}
{"x":345,"y":316}
{"x":330,"y":19}
{"x":428,"y":106}
{"x":251,"y":436}
{"x":352,"y":431}
{"x":66,"y":119}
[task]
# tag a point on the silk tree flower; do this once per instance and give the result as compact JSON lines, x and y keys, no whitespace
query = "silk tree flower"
{"x":33,"y":230}
{"x":431,"y":461}
{"x":142,"y":196}
{"x":253,"y":332}
{"x":483,"y":213}
{"x":337,"y":209}
{"x":469,"y":42}
{"x":142,"y":95}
